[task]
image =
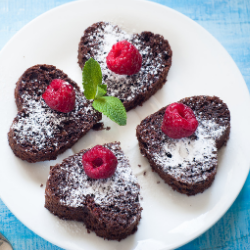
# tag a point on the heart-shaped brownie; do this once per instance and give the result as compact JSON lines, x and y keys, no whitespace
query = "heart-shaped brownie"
{"x":39,"y":133}
{"x":188,"y":164}
{"x":110,"y":207}
{"x":135,"y":89}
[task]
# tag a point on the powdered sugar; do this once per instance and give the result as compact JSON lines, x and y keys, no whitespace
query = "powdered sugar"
{"x":114,"y":190}
{"x":214,"y":129}
{"x":38,"y":125}
{"x":187,"y":158}
{"x":125,"y":87}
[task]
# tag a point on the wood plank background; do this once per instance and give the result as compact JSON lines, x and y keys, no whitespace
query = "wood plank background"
{"x":229,"y":22}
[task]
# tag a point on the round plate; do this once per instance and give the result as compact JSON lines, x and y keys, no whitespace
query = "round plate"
{"x":200,"y":66}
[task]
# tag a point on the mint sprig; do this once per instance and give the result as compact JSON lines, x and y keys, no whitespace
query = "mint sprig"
{"x":110,"y":106}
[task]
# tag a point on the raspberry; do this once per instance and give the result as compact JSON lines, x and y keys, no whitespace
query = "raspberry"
{"x":60,"y":96}
{"x":124,"y":59}
{"x":99,"y":162}
{"x":179,"y":121}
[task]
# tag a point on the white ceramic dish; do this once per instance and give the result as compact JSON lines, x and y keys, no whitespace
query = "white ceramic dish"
{"x":200,"y":66}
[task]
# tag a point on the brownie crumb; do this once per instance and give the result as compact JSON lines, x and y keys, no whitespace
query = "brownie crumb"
{"x":41,"y":185}
{"x":88,"y":231}
{"x":98,"y":126}
{"x":158,"y":182}
{"x":141,"y":198}
{"x":139,"y":165}
{"x":144,"y":173}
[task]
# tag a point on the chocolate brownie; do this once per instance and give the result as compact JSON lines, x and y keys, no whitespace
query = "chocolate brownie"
{"x":39,"y":133}
{"x":188,"y":164}
{"x":132,"y":90}
{"x":110,"y":207}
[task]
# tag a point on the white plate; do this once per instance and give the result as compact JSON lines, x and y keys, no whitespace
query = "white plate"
{"x":200,"y":66}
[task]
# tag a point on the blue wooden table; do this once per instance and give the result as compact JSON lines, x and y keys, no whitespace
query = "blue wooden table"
{"x":229,"y":22}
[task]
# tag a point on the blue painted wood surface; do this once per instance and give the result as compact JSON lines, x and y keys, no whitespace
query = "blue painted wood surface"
{"x":229,"y":22}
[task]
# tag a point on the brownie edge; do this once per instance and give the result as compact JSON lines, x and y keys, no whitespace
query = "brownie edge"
{"x":39,"y":133}
{"x":196,"y":170}
{"x":134,"y":90}
{"x":109,"y":207}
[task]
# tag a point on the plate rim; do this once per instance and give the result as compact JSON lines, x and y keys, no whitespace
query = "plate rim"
{"x":220,"y":215}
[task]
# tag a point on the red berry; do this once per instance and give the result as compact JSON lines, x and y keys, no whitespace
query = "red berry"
{"x":179,"y":121}
{"x":99,"y":162}
{"x":124,"y":59}
{"x":60,"y":96}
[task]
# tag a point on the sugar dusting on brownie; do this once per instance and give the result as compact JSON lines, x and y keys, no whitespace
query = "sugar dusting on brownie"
{"x":39,"y":123}
{"x":188,"y":164}
{"x":124,"y":87}
{"x":111,"y":191}
{"x":39,"y":133}
{"x":190,"y":159}
{"x":110,"y":207}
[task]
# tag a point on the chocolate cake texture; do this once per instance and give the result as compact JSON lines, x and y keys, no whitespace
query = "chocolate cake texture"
{"x":188,"y":164}
{"x":132,"y":90}
{"x":39,"y":133}
{"x":109,"y":207}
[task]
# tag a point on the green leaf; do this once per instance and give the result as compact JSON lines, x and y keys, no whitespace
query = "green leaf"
{"x":112,"y":107}
{"x":91,"y":78}
{"x":101,"y":90}
{"x":94,"y":89}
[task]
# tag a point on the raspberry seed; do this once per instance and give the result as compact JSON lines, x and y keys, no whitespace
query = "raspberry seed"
{"x":179,"y":121}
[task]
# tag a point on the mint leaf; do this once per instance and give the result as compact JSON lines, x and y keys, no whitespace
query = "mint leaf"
{"x":91,"y":78}
{"x":112,"y":107}
{"x":94,"y":89}
{"x":101,"y":90}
